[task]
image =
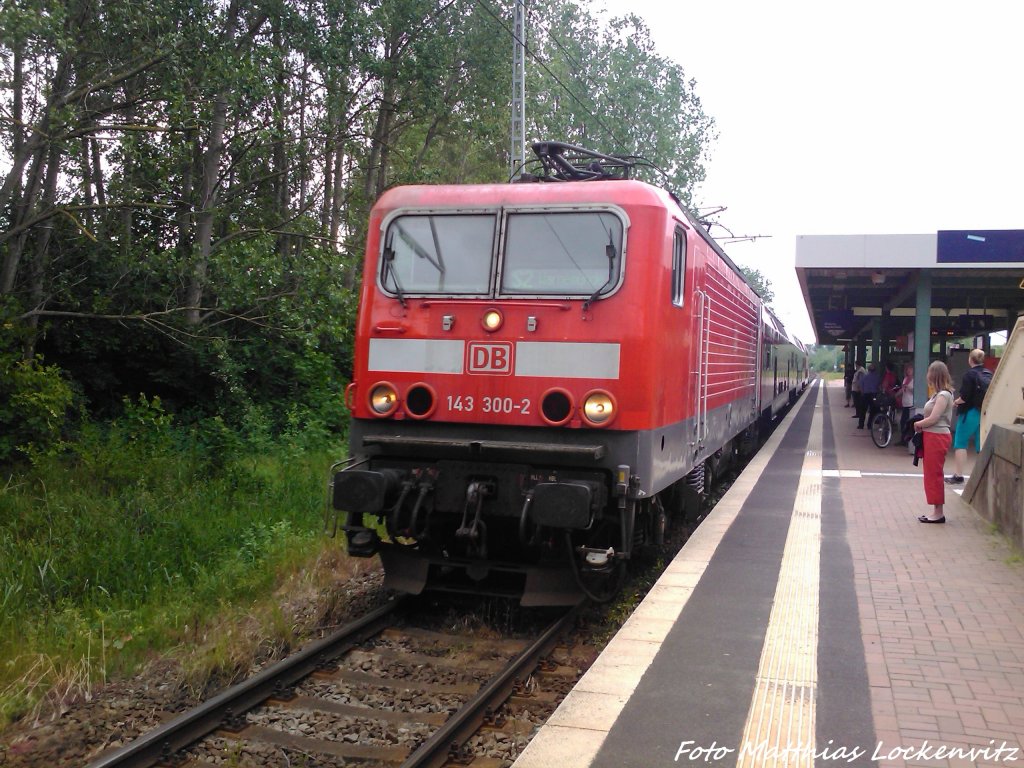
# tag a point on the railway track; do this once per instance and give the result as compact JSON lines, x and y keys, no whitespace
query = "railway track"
{"x":373,"y":693}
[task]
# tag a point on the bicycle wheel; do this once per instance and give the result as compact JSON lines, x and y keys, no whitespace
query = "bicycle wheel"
{"x":881,"y":430}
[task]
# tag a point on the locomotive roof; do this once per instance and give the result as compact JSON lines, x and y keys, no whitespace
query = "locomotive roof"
{"x":622,"y":192}
{"x":618,"y":192}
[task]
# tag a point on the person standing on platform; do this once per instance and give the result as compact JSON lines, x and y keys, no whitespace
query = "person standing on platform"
{"x":968,"y":423}
{"x":869,"y":385}
{"x":906,"y":399}
{"x":889,"y":384}
{"x":855,"y":387}
{"x":848,"y":383}
{"x":938,"y":412}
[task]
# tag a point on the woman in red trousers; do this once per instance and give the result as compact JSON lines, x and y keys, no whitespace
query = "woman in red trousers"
{"x":938,"y":413}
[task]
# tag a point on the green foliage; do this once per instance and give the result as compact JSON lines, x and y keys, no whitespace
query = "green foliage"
{"x":34,"y":403}
{"x":605,"y":86}
{"x":144,"y":528}
{"x":142,"y":491}
{"x":826,"y":358}
{"x":761,"y":284}
{"x":217,"y":162}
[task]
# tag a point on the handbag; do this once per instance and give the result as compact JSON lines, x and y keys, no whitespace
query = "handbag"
{"x":917,"y":440}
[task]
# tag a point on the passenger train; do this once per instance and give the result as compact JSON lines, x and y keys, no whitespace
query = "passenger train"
{"x":545,"y":373}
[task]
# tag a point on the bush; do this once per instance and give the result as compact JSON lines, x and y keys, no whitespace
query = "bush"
{"x":138,"y":531}
{"x":35,"y":401}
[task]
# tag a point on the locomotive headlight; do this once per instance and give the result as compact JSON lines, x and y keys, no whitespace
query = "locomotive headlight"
{"x":383,"y":399}
{"x":492,"y":320}
{"x":598,"y":408}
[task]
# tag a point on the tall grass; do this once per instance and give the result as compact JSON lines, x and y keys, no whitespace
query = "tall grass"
{"x":138,"y":536}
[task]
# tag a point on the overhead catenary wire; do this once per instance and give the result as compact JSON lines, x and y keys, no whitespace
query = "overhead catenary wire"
{"x":618,"y":142}
{"x":537,"y":21}
{"x":485,"y":6}
{"x":578,"y":67}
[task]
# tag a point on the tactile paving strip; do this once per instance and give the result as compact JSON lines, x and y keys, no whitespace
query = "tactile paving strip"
{"x":780,"y":724}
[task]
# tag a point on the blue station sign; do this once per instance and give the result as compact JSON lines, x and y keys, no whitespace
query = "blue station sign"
{"x":980,"y":246}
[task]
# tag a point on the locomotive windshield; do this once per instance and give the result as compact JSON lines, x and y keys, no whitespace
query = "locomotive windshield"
{"x":571,"y":253}
{"x":448,"y":254}
{"x":545,"y":253}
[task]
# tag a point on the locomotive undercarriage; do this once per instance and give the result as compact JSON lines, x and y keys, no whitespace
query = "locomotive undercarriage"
{"x":546,"y":533}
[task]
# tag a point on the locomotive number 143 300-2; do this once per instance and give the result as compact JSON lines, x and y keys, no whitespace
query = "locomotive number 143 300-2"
{"x":471,"y":404}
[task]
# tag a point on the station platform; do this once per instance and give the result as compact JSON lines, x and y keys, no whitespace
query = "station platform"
{"x":811,"y":620}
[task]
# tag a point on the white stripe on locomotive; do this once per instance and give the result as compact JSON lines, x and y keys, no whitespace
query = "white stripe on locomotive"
{"x":541,"y":359}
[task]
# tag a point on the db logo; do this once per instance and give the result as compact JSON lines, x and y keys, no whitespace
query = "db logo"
{"x":493,"y":357}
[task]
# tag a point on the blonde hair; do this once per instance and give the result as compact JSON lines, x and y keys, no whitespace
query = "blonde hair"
{"x":977,"y":357}
{"x":938,"y":377}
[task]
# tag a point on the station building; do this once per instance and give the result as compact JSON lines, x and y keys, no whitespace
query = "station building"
{"x":904,"y":298}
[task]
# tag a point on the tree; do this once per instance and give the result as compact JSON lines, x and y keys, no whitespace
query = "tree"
{"x":607,"y":88}
{"x":826,"y":357}
{"x":762,"y":285}
{"x":185,"y":207}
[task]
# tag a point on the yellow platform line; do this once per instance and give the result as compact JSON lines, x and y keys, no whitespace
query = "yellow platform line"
{"x":779,"y":730}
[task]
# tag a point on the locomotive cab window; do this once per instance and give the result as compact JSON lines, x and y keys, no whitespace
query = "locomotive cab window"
{"x":577,"y":253}
{"x":438,"y":254}
{"x":678,"y":267}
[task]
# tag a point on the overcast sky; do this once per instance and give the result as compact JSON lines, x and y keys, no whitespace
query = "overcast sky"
{"x":843,"y":118}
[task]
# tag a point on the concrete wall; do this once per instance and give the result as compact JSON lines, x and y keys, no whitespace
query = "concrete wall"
{"x":995,"y":489}
{"x":1004,"y":401}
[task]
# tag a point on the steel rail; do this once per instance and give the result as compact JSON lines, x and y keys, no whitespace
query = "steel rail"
{"x":434,"y":752}
{"x":176,"y":734}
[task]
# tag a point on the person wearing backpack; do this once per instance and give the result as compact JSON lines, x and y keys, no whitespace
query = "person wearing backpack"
{"x":968,"y":424}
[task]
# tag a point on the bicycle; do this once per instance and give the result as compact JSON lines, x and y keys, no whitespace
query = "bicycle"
{"x":885,"y":422}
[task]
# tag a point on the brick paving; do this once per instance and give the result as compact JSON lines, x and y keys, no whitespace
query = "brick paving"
{"x":941,"y":610}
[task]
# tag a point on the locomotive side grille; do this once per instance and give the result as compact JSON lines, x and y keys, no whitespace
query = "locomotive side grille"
{"x":732,"y":336}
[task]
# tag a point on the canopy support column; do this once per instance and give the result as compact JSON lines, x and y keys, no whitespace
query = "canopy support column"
{"x":922,"y":336}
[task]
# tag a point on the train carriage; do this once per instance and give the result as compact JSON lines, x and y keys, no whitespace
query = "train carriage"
{"x":543,"y":372}
{"x":784,"y":369}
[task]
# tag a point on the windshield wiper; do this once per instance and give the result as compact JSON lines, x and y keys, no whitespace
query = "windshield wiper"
{"x":389,"y":269}
{"x":611,"y":252}
{"x":418,"y":249}
{"x":438,"y":262}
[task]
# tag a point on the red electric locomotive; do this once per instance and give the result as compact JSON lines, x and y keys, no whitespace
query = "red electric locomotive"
{"x":543,"y":372}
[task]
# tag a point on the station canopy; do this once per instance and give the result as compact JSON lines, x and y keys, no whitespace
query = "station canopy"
{"x":973,"y":281}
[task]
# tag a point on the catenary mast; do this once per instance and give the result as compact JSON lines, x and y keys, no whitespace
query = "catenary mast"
{"x":518,"y":154}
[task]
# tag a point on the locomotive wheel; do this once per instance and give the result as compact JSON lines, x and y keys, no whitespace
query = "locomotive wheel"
{"x":680,"y":503}
{"x":659,"y":522}
{"x":688,"y":507}
{"x":709,"y":477}
{"x":655,"y":521}
{"x":749,"y":442}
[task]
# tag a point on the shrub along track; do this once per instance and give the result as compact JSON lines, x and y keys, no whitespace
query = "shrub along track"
{"x":378,"y":692}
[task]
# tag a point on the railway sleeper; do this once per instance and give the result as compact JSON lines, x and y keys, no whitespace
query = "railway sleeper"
{"x":310,"y":745}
